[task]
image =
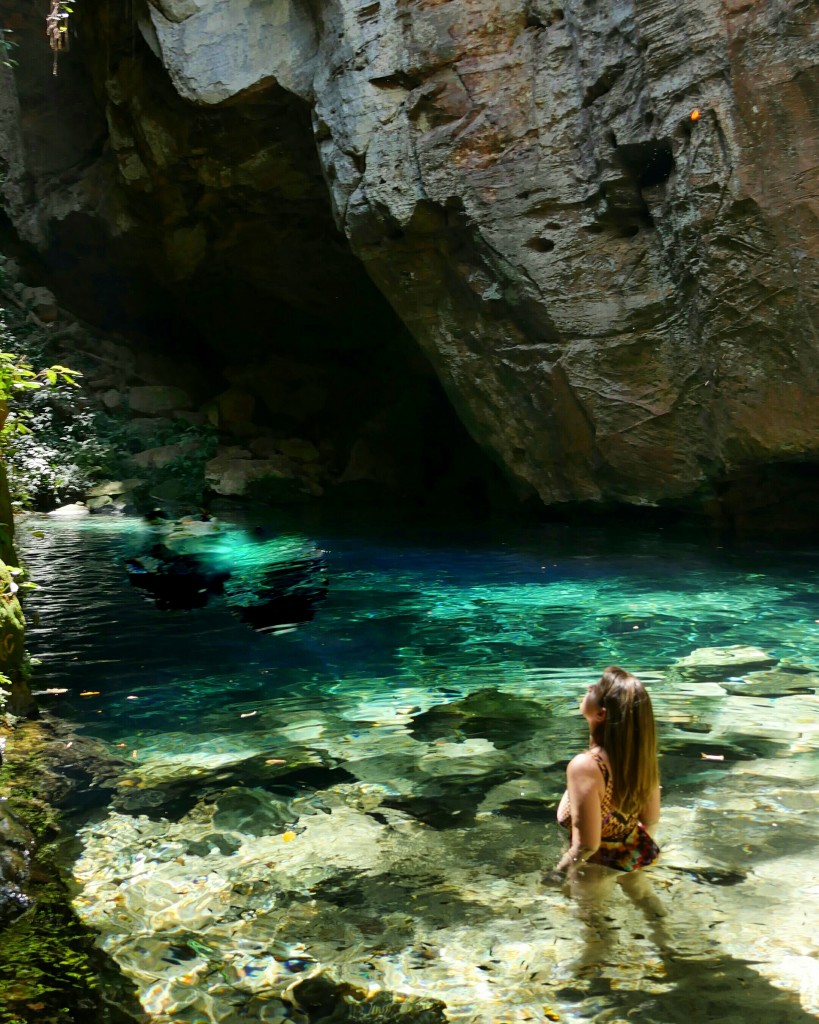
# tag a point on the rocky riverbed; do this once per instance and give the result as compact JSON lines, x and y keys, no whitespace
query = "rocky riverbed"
{"x":225,"y":876}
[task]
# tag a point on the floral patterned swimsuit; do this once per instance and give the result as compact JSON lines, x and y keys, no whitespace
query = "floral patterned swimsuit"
{"x":625,"y":845}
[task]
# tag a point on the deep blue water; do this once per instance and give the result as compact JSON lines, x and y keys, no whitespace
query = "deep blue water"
{"x":432,"y":608}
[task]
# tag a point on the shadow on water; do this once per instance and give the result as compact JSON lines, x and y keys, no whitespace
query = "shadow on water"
{"x":685,"y":976}
{"x":718,"y":988}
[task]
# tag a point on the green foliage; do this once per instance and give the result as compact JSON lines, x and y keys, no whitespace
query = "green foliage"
{"x":50,"y":969}
{"x":46,"y":967}
{"x":64,"y":450}
{"x":56,"y":445}
{"x":16,"y":581}
{"x":7,"y":44}
{"x":16,"y":373}
{"x":47,"y":442}
{"x":21,"y":789}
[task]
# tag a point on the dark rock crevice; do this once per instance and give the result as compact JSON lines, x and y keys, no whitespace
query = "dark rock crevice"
{"x":203,"y":237}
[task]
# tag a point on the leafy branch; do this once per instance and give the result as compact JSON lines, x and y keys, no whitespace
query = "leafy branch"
{"x":16,"y":374}
{"x":6,"y":46}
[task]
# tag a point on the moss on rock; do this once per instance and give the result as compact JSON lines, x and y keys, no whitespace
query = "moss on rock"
{"x":51,"y":971}
{"x":46,"y":971}
{"x":7,"y":553}
{"x":15,"y":696}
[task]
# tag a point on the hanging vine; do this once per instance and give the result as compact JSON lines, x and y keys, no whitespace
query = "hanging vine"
{"x":57,"y":29}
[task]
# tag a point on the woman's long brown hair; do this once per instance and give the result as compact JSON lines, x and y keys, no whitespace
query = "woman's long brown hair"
{"x":628,"y":736}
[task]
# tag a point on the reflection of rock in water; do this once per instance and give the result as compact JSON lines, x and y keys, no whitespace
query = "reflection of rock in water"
{"x":173,"y":581}
{"x":267,"y":582}
{"x":279,"y":593}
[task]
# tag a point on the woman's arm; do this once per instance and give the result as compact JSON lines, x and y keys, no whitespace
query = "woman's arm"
{"x":583,"y":782}
{"x":650,"y":814}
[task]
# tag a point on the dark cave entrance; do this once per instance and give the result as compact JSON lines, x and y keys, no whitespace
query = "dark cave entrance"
{"x":222,"y":269}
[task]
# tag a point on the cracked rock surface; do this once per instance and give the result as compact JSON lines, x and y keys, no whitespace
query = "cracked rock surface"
{"x":597,"y":224}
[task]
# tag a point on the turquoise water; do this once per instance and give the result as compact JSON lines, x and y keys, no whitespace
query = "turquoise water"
{"x":369,"y":795}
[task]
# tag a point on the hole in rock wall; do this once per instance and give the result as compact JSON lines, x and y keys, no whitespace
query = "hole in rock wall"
{"x":541,"y":244}
{"x":648,"y":163}
{"x":214,"y":260}
{"x":639,"y":166}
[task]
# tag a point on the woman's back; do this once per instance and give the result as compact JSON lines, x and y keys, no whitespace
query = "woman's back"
{"x":612,"y":790}
{"x":614,"y":823}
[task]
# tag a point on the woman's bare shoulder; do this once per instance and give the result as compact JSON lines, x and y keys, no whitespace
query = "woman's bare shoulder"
{"x":583,"y":764}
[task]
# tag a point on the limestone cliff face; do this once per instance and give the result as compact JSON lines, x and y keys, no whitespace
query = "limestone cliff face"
{"x":619,"y":300}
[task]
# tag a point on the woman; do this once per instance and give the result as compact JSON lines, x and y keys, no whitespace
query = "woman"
{"x":612,"y":797}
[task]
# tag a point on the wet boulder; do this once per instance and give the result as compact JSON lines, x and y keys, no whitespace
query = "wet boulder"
{"x":16,"y":848}
{"x":157,"y":399}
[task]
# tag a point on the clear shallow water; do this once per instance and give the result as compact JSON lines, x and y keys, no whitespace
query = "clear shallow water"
{"x":336,"y":795}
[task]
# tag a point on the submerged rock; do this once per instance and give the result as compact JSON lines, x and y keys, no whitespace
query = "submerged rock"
{"x":50,"y":968}
{"x":324,"y":999}
{"x":722,"y":662}
{"x":502,"y":718}
{"x":774,"y":683}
